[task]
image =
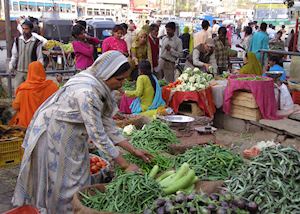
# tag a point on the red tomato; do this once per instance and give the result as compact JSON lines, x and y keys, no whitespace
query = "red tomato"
{"x":99,"y":164}
{"x":94,"y":169}
{"x":94,"y":159}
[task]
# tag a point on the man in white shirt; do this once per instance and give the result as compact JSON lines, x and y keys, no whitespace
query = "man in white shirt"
{"x":271,"y":31}
{"x":26,"y":49}
{"x":203,"y":35}
{"x":171,"y":50}
{"x":215,"y":28}
{"x":39,"y":37}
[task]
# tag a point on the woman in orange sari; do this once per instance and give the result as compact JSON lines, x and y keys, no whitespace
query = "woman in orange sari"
{"x":31,"y":94}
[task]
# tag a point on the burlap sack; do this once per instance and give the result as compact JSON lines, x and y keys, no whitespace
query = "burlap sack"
{"x":190,"y":142}
{"x":79,"y":208}
{"x":209,"y":187}
{"x":137,"y":120}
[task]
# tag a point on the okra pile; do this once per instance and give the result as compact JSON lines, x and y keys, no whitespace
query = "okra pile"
{"x":154,"y":137}
{"x":128,"y":193}
{"x":211,"y":162}
{"x":272,"y":180}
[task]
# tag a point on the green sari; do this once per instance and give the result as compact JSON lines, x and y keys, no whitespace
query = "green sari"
{"x":253,"y":66}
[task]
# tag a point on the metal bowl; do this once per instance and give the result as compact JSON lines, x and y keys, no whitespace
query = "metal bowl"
{"x":177,"y":118}
{"x":274,"y":74}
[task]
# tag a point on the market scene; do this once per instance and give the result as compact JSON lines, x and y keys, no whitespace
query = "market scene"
{"x":149,"y":106}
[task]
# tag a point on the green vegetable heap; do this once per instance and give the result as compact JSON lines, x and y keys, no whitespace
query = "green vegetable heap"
{"x":272,"y":180}
{"x":211,"y":162}
{"x":129,"y":85}
{"x":129,"y":193}
{"x":154,"y":137}
{"x":256,"y":78}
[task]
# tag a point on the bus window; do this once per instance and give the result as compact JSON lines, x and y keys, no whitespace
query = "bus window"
{"x":15,"y":6}
{"x":73,"y":9}
{"x":23,"y":6}
{"x":96,"y":11}
{"x":48,"y":7}
{"x":32,"y":6}
{"x":102,"y":12}
{"x":108,"y":12}
{"x":90,"y":11}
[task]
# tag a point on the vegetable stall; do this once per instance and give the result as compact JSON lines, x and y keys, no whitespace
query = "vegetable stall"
{"x":267,"y":183}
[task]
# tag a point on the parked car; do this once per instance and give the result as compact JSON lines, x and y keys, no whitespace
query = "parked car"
{"x":100,"y":29}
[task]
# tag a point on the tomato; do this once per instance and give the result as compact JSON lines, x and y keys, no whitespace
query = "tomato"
{"x":99,"y":164}
{"x":94,"y":159}
{"x":94,"y":169}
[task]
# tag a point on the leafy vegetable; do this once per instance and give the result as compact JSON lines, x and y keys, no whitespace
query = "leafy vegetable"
{"x":272,"y":180}
{"x":256,"y":78}
{"x":211,"y":162}
{"x":129,"y":85}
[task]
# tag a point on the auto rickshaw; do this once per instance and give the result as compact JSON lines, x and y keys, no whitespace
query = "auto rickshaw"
{"x":100,"y":29}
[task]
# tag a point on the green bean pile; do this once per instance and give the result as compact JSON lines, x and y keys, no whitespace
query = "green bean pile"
{"x":129,"y":193}
{"x":154,"y":137}
{"x":211,"y":162}
{"x":164,"y":162}
{"x":128,"y":85}
{"x":272,"y":180}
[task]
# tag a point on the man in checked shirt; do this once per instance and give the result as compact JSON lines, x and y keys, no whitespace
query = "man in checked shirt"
{"x":221,"y":50}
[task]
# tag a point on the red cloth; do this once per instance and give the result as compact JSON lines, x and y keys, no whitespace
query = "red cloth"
{"x":154,"y":45}
{"x":203,"y":98}
{"x":125,"y":104}
{"x":263,"y":92}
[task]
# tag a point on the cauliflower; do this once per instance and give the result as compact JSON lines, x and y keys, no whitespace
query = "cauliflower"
{"x":127,"y":130}
{"x":196,"y":69}
{"x":185,"y":76}
{"x":192,"y":79}
{"x":192,"y":88}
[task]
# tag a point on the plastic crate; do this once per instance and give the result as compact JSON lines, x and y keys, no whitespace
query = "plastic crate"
{"x":23,"y":210}
{"x":10,"y":152}
{"x":296,"y":97}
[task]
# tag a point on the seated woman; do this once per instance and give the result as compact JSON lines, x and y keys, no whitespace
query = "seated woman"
{"x":31,"y":94}
{"x":251,"y":65}
{"x":273,"y":65}
{"x":148,"y":92}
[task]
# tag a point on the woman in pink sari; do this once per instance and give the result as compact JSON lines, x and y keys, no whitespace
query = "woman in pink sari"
{"x":115,"y":42}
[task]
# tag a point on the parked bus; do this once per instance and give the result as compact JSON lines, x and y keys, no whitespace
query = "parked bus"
{"x":42,"y":8}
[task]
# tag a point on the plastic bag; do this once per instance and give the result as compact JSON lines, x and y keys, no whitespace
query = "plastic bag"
{"x":286,"y":101}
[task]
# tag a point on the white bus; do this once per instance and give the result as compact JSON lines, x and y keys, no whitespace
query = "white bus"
{"x":41,"y":8}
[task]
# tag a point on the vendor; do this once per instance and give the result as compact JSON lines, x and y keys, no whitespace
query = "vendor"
{"x":202,"y":55}
{"x":148,"y":91}
{"x":251,"y":65}
{"x":273,"y":65}
{"x":55,"y":164}
{"x":31,"y":94}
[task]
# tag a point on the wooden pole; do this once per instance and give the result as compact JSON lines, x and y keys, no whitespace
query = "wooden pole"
{"x":296,"y":34}
{"x":8,"y":35}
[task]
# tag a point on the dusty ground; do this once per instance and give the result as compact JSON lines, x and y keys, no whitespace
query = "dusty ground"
{"x":237,"y":141}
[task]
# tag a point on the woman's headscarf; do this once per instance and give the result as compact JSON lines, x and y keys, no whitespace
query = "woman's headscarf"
{"x":253,"y":66}
{"x":136,"y":40}
{"x":186,"y":29}
{"x":32,"y":93}
{"x":107,"y":64}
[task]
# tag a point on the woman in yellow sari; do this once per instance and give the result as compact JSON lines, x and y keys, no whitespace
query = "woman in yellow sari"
{"x":251,"y":65}
{"x":139,"y":52}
